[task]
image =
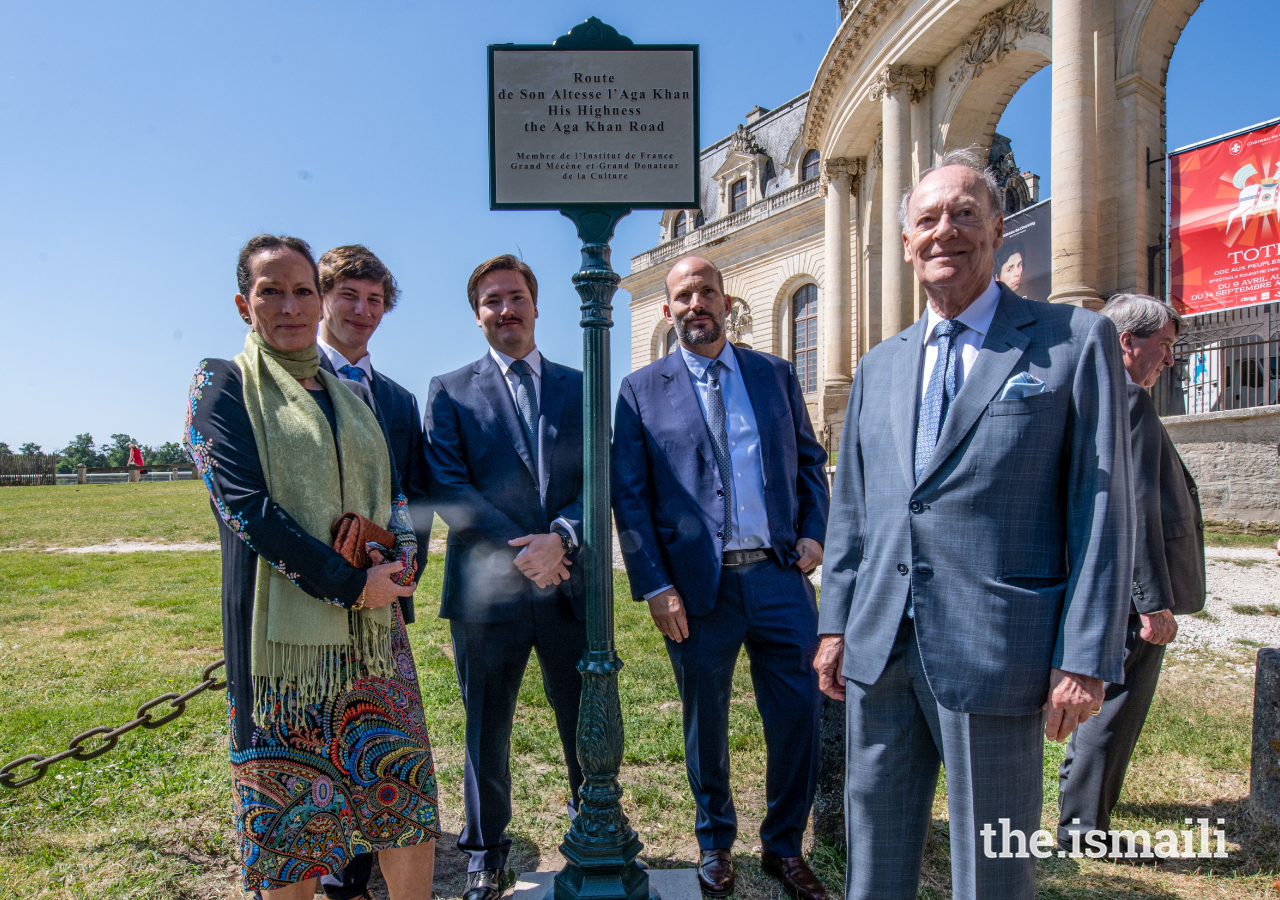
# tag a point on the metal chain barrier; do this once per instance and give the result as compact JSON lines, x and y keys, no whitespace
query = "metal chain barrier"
{"x":107,"y":736}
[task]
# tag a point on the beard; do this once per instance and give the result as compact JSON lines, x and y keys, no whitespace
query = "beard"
{"x":704,"y":335}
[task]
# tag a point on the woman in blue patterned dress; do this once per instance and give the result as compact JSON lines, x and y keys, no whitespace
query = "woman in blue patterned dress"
{"x":329,"y":749}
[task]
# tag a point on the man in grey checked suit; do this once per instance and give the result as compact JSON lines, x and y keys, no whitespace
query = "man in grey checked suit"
{"x":979,"y":551}
{"x":1168,"y":580}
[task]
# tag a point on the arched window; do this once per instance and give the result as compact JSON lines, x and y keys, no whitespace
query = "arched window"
{"x":681,"y":225}
{"x":669,"y":341}
{"x":738,"y":195}
{"x":804,"y":344}
{"x":810,"y":165}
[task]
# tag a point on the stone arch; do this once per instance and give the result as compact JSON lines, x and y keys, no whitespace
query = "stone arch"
{"x":658,"y":338}
{"x":1150,"y":37}
{"x":968,"y":113}
{"x":782,"y":310}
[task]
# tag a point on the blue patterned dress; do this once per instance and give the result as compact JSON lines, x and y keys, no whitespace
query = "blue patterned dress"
{"x":356,"y":775}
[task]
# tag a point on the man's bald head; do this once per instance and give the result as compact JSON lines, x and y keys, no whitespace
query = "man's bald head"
{"x":688,"y":265}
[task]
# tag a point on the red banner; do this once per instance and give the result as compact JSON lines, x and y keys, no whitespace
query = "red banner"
{"x":1224,"y":231}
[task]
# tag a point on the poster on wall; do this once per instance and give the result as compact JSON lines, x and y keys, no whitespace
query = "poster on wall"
{"x":1024,"y":261}
{"x":1224,"y":230}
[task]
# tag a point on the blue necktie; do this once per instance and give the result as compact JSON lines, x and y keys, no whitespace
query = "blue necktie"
{"x":941,"y":391}
{"x":352,"y":373}
{"x":527,"y":404}
{"x":720,"y":444}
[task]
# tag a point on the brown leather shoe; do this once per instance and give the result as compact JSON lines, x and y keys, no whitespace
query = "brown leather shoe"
{"x":797,"y":878}
{"x":715,"y":873}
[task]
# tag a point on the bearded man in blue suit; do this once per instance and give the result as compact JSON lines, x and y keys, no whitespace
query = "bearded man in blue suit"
{"x":979,"y":556}
{"x":720,"y":496}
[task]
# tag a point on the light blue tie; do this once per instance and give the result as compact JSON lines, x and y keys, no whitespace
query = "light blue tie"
{"x":527,"y":404}
{"x":940,"y":393}
{"x":352,"y":373}
{"x":720,"y":444}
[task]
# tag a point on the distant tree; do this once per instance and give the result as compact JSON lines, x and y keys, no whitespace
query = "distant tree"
{"x":4,"y":449}
{"x":29,"y":449}
{"x":80,"y":452}
{"x":118,"y":450}
{"x":167,"y":454}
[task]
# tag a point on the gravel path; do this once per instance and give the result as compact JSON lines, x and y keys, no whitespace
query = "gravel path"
{"x":1243,"y":603}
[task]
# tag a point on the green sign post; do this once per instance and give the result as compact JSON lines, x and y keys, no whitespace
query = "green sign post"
{"x":595,"y":126}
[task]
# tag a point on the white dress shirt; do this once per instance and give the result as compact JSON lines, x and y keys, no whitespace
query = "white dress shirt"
{"x":534,"y":359}
{"x":977,"y":316}
{"x":337,"y":360}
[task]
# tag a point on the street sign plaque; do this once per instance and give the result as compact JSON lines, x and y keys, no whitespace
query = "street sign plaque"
{"x":574,"y":127}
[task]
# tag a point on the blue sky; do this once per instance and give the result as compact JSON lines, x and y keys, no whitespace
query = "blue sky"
{"x":144,"y":142}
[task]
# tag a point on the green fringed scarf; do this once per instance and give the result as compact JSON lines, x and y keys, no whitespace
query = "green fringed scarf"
{"x":299,"y":642}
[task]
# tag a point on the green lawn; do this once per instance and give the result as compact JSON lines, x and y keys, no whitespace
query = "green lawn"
{"x":66,"y":516}
{"x":85,"y":638}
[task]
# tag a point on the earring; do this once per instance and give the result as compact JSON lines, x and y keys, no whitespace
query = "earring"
{"x":246,"y":320}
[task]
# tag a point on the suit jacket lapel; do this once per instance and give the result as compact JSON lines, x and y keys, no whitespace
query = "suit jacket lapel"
{"x":550,"y":411}
{"x":906,"y":399}
{"x":493,"y":388}
{"x":1000,"y":353}
{"x":678,"y":384}
{"x":756,"y":377}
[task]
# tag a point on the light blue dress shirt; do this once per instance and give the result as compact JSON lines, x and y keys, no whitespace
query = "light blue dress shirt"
{"x":750,"y":520}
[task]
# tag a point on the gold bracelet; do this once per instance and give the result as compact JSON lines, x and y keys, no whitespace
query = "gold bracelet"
{"x":359,"y":604}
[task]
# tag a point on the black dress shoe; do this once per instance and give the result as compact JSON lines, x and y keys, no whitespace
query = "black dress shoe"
{"x":797,"y":878}
{"x":487,"y":884}
{"x":715,"y":873}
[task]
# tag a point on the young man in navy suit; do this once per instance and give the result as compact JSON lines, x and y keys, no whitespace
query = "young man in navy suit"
{"x":504,"y":448}
{"x":720,"y":496}
{"x":358,"y":290}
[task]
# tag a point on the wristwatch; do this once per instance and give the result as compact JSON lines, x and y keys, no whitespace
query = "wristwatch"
{"x":566,"y":542}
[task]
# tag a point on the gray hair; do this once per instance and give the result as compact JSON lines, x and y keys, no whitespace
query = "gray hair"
{"x":970,"y":158}
{"x":1140,"y":315}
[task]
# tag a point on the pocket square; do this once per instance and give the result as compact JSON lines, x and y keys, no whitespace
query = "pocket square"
{"x":1022,"y":385}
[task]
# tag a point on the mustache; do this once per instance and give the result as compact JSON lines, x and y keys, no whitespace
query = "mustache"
{"x":508,"y":320}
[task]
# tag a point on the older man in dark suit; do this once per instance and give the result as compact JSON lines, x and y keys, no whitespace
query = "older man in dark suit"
{"x":720,"y":497}
{"x":357,"y":290}
{"x":979,"y":556}
{"x":504,"y":448}
{"x":1168,"y":580}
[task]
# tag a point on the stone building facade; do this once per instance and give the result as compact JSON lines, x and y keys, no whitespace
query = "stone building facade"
{"x":902,"y":82}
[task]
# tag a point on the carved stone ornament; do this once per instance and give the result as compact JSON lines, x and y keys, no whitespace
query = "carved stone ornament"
{"x":742,"y":142}
{"x":877,"y":151}
{"x":846,"y":7}
{"x":738,"y":321}
{"x":857,"y":29}
{"x":917,"y":79}
{"x":855,"y":167}
{"x":996,"y":35}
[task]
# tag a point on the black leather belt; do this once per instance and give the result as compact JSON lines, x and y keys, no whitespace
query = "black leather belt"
{"x":742,"y":557}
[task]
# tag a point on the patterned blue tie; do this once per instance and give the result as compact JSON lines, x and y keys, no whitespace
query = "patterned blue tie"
{"x":352,"y":373}
{"x":720,"y":444}
{"x":527,"y":404}
{"x":941,"y":391}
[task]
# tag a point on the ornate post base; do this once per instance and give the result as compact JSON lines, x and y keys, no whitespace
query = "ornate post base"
{"x":601,"y":847}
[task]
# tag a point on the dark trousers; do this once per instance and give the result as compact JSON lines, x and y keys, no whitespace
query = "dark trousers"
{"x":772,"y":610}
{"x":490,"y":659}
{"x":352,"y":881}
{"x":1092,"y":773}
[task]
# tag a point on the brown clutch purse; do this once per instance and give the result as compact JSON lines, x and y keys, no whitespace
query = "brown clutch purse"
{"x":352,"y":533}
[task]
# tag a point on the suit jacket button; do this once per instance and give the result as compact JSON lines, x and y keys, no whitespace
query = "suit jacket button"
{"x":902,"y":569}
{"x":916,"y":506}
{"x":720,"y":534}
